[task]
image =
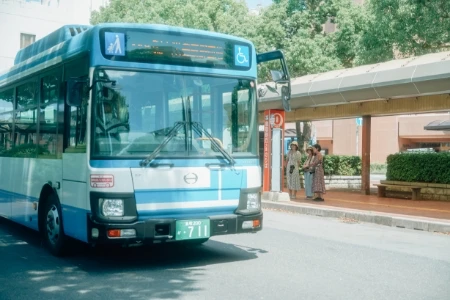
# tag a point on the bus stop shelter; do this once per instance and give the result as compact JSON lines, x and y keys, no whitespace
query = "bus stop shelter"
{"x":405,"y":86}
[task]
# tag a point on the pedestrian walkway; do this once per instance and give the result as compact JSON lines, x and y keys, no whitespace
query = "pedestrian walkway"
{"x":353,"y":199}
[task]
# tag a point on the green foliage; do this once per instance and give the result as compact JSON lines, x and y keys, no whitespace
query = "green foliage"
{"x":404,"y":28}
{"x":226,"y":16}
{"x":419,"y":167}
{"x":342,"y":165}
{"x":378,"y":31}
{"x":299,"y":33}
{"x":24,"y":150}
{"x":351,"y":22}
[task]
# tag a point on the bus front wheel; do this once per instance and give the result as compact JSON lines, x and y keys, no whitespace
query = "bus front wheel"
{"x":52,"y":229}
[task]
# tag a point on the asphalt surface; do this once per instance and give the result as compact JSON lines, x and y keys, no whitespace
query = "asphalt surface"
{"x":294,"y":257}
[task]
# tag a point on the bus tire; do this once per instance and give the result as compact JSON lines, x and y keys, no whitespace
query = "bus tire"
{"x":52,"y":228}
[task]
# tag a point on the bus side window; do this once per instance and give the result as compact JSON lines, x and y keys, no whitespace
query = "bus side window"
{"x":75,"y":118}
{"x":6,"y":121}
{"x":50,"y":136}
{"x":77,"y":123}
{"x":25,"y":141}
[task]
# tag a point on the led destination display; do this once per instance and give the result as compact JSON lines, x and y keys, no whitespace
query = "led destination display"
{"x":174,"y":48}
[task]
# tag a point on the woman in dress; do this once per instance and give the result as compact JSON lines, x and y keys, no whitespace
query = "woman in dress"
{"x":293,"y":161}
{"x":319,"y":175}
{"x":308,"y":173}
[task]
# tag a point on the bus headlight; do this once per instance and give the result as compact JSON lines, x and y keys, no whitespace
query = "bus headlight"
{"x":253,"y":201}
{"x":112,"y":207}
{"x":249,"y":201}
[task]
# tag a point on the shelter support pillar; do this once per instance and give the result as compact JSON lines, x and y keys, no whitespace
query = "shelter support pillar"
{"x":365,"y":172}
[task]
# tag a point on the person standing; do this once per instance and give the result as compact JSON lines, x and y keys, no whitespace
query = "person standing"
{"x":293,"y":161}
{"x":308,"y":173}
{"x":318,"y":185}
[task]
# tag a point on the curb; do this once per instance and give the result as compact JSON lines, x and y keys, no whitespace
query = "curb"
{"x":393,"y":220}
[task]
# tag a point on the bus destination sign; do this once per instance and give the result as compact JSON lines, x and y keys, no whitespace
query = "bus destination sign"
{"x":175,"y":49}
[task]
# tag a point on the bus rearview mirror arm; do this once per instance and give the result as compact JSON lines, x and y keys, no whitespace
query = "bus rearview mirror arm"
{"x":76,"y":86}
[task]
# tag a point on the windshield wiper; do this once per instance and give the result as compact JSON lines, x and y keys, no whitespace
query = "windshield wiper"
{"x":173,"y":132}
{"x":200,"y":131}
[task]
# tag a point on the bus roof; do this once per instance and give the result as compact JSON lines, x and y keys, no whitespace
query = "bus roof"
{"x":57,"y":37}
{"x":67,"y":32}
{"x":72,"y":40}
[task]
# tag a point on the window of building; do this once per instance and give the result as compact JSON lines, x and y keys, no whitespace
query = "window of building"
{"x":26,"y":39}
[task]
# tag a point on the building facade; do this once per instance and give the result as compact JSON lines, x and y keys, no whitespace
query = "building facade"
{"x":24,"y":21}
{"x":389,"y":134}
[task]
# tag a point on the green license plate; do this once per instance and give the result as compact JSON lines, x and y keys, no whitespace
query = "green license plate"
{"x":192,"y":229}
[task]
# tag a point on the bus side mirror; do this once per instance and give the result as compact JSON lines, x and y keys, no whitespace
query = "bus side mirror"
{"x":277,"y":76}
{"x":75,"y":91}
{"x":285,"y":97}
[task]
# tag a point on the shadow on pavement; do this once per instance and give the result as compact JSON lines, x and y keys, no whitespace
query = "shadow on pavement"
{"x":146,"y":272}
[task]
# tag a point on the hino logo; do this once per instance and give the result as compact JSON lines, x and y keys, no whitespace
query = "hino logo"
{"x":190,"y":178}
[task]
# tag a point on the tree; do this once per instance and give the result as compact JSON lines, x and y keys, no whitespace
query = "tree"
{"x":351,"y":21}
{"x":296,"y":28}
{"x":404,"y":28}
{"x":225,"y":16}
{"x":303,"y":130}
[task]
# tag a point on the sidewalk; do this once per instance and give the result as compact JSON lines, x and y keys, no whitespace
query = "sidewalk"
{"x":351,"y":204}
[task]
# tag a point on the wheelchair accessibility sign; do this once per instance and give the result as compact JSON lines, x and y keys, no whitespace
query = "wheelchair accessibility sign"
{"x":114,"y":43}
{"x":241,"y":56}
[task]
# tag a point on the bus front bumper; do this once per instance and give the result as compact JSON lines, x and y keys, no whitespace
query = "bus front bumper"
{"x":154,"y":230}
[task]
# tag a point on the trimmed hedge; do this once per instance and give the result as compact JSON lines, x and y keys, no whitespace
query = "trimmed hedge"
{"x":342,"y":165}
{"x":419,"y":167}
{"x":24,"y":150}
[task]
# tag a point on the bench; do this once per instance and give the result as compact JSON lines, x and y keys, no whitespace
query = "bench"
{"x":414,"y":189}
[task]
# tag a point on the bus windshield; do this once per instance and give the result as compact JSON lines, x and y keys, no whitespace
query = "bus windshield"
{"x":135,"y":112}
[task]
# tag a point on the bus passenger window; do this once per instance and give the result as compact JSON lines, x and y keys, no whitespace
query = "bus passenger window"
{"x":25,"y":141}
{"x":49,"y":135}
{"x":6,"y":121}
{"x":78,"y":125}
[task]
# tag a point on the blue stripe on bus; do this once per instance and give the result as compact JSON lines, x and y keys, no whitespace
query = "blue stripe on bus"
{"x":75,"y":222}
{"x":181,"y":162}
{"x":184,"y":213}
{"x":8,"y":194}
{"x":231,"y":185}
{"x":170,"y":196}
{"x":18,"y":207}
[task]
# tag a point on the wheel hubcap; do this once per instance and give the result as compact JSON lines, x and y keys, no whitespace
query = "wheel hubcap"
{"x":53,"y":224}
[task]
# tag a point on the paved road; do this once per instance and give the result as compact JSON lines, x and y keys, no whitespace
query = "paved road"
{"x":294,"y":257}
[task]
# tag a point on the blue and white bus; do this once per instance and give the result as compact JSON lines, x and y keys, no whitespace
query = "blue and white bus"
{"x":133,"y":134}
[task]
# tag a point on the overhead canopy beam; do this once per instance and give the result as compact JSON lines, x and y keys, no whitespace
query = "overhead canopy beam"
{"x":403,"y":78}
{"x":422,"y":104}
